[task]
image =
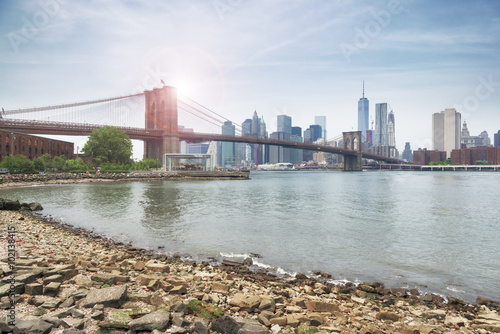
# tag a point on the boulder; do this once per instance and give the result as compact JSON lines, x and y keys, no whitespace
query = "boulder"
{"x":387,"y":316}
{"x":220,"y":287}
{"x":225,"y":325}
{"x":35,"y":206}
{"x":37,"y":326}
{"x":51,"y":289}
{"x":110,"y":297}
{"x":316,"y":306}
{"x":155,"y":320}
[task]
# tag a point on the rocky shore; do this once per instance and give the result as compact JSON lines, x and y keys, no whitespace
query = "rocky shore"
{"x":69,"y":280}
{"x":16,"y":180}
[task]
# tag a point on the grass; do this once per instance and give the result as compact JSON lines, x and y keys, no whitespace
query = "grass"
{"x":205,"y":310}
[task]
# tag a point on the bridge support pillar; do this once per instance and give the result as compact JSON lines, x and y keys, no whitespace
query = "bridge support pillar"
{"x":161,"y":113}
{"x":352,"y":141}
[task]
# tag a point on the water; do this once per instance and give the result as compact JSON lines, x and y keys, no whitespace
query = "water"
{"x":437,"y":231}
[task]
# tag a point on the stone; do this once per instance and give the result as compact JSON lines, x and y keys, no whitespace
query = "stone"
{"x":292,"y":321}
{"x":76,"y":313}
{"x":387,"y":316}
{"x":158,"y":267}
{"x":68,"y":302}
{"x":53,"y":278}
{"x":220,"y":287}
{"x":248,"y":261}
{"x":245,"y":303}
{"x":282,"y":321}
{"x":51,"y":303}
{"x":451,"y":320}
{"x":179,"y":321}
{"x":51,"y":289}
{"x":253,"y":328}
{"x":117,"y":319}
{"x":225,"y":325}
{"x":276,"y":329}
{"x":178,"y":290}
{"x":110,"y":297}
{"x":32,"y":326}
{"x":73,"y":323}
{"x":29,"y":277}
{"x":72,"y":331}
{"x":263,"y":320}
{"x":316,"y":306}
{"x":33,"y":289}
{"x":155,"y":320}
{"x":6,"y":289}
{"x":35,"y":206}
{"x":483,"y":301}
{"x":200,"y":327}
{"x":97,"y":315}
{"x":139,"y":266}
{"x":267,"y":304}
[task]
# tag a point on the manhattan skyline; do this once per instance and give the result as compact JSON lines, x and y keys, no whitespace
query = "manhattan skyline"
{"x":302,"y":58}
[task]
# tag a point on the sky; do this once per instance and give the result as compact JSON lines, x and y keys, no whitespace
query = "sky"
{"x":301,"y":58}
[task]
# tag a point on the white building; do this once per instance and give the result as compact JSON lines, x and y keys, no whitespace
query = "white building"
{"x":446,"y":130}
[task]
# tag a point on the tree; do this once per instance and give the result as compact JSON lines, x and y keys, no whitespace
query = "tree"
{"x":108,"y":144}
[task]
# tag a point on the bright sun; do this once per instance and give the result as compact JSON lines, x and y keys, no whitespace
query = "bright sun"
{"x":184,"y":88}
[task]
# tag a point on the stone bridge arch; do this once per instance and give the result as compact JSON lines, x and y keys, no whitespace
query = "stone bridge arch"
{"x":352,"y":141}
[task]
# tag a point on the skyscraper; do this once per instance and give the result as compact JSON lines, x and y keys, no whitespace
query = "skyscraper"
{"x":391,"y":130}
{"x":284,"y":124}
{"x":363,"y":114}
{"x":227,"y":148}
{"x":316,"y":132}
{"x":381,"y":125}
{"x":407,"y":154}
{"x":277,"y":153}
{"x":321,"y":120}
{"x":496,"y":138}
{"x":446,"y":130}
{"x":296,"y":131}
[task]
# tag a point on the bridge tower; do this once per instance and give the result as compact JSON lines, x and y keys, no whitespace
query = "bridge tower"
{"x":161,"y":113}
{"x":352,"y":141}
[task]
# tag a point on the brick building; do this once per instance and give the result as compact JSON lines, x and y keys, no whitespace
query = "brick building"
{"x":470,"y":156}
{"x":424,"y":157}
{"x":14,"y":143}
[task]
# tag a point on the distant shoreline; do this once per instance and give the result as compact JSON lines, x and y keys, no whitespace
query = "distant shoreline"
{"x":21,"y":180}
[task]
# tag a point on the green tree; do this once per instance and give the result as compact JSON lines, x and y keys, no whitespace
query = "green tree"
{"x":58,"y":163}
{"x":39,"y":164}
{"x":108,"y":144}
{"x":47,"y":160}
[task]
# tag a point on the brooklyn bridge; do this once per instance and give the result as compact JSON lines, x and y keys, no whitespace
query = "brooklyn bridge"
{"x":157,"y":112}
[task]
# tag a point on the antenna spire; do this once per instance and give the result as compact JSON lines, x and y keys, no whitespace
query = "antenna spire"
{"x":363,"y":88}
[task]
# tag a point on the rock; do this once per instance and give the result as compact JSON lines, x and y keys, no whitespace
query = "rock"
{"x":97,"y":315}
{"x":68,"y":302}
{"x":33,"y":289}
{"x":399,"y":292}
{"x":248,"y":261}
{"x":56,"y":322}
{"x":158,"y":267}
{"x":179,"y":321}
{"x":282,"y":321}
{"x":301,"y":276}
{"x":117,"y":319}
{"x":292,"y":321}
{"x":110,"y":297}
{"x":483,"y":301}
{"x":32,"y":326}
{"x":451,"y":320}
{"x":35,"y":206}
{"x":267,"y":304}
{"x":155,"y":320}
{"x":225,"y":325}
{"x":200,"y":327}
{"x":73,"y":323}
{"x":51,"y":303}
{"x":76,"y":313}
{"x":53,"y":278}
{"x":51,"y":289}
{"x":220,"y":287}
{"x":72,"y":331}
{"x":245,"y":303}
{"x":276,"y":329}
{"x":6,"y":204}
{"x":178,"y":290}
{"x":263,"y":320}
{"x":139,"y":266}
{"x":6,"y":289}
{"x":253,"y":328}
{"x":316,"y":306}
{"x":387,"y":316}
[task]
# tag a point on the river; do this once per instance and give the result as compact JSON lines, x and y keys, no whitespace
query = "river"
{"x":436,"y":231}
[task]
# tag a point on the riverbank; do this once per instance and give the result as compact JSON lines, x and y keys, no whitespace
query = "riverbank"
{"x":68,"y":277}
{"x":16,"y":180}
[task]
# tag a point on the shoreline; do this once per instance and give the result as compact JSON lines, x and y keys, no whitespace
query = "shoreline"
{"x":20,"y":180}
{"x":259,"y":300}
{"x":241,"y":294}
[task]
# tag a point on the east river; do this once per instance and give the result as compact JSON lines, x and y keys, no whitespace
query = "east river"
{"x":436,"y":231}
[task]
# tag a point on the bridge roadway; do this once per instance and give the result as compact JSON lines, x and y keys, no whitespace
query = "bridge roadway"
{"x":80,"y":129}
